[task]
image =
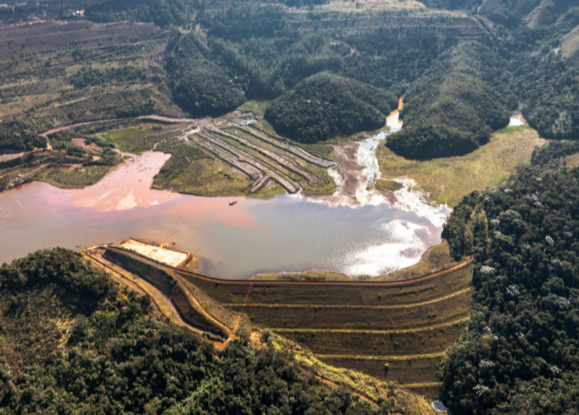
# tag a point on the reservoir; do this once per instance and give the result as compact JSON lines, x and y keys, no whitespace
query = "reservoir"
{"x":371,"y":236}
{"x":282,"y":234}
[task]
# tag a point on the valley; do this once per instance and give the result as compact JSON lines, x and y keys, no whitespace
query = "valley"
{"x":289,"y":207}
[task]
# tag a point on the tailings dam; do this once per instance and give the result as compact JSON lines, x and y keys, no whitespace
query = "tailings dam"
{"x":395,"y":331}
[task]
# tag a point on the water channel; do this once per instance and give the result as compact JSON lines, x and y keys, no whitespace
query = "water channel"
{"x":367,"y":235}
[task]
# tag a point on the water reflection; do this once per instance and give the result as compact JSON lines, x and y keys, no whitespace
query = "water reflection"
{"x":283,"y":234}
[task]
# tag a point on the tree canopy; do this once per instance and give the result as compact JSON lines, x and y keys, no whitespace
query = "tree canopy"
{"x":15,"y":137}
{"x":453,"y":108}
{"x":119,"y":358}
{"x":519,"y":353}
{"x":325,"y":105}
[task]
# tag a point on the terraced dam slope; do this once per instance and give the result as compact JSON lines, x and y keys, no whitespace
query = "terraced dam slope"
{"x":396,"y":331}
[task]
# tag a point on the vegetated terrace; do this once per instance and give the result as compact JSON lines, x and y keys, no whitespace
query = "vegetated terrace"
{"x":57,"y":73}
{"x":264,"y":158}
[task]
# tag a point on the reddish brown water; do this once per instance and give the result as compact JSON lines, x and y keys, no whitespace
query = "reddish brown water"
{"x":283,"y":234}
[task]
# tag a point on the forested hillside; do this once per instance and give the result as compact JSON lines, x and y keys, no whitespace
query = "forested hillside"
{"x":456,"y":93}
{"x":260,"y":52}
{"x":199,"y":85}
{"x":546,"y":85}
{"x":326,"y":105}
{"x":14,"y":137}
{"x":519,"y":354}
{"x":71,"y":341}
{"x":462,"y":73}
{"x":161,"y":12}
{"x":536,"y":13}
{"x":453,"y":108}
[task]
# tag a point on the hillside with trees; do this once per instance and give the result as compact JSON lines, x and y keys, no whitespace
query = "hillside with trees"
{"x":199,"y":85}
{"x":546,"y":84}
{"x":461,"y":73}
{"x":14,"y":137}
{"x":519,"y":353}
{"x":453,"y":108}
{"x":325,"y":105}
{"x":260,"y":52}
{"x":74,"y":341}
{"x":161,"y":12}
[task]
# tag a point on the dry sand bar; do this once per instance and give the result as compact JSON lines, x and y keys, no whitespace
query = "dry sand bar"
{"x":156,"y":252}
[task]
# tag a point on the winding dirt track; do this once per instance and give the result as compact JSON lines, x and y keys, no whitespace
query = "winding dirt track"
{"x":230,"y":333}
{"x":158,"y":118}
{"x":138,"y":284}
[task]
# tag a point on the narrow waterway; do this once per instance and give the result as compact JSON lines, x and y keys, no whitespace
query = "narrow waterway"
{"x":287,"y":233}
{"x":358,"y":171}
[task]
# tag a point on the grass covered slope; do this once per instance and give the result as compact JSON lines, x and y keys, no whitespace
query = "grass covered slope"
{"x":324,"y":106}
{"x":455,"y":106}
{"x":519,"y":354}
{"x":73,"y":341}
{"x":54,"y":73}
{"x":447,"y":180}
{"x":360,"y":327}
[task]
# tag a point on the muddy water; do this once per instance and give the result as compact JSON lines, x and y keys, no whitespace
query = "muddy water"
{"x":288,"y":233}
{"x":283,"y":234}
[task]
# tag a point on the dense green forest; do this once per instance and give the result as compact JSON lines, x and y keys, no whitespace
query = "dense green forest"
{"x":253,"y":52}
{"x":547,"y":86}
{"x":326,"y":105}
{"x":453,"y":108}
{"x":391,"y":56}
{"x":85,"y":347}
{"x":14,"y":137}
{"x":161,"y":12}
{"x":519,"y":354}
{"x":200,"y":85}
{"x":456,"y":94}
{"x":461,"y":76}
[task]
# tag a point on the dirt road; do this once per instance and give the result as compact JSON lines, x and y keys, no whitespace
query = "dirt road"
{"x":159,"y":118}
{"x":145,"y":288}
